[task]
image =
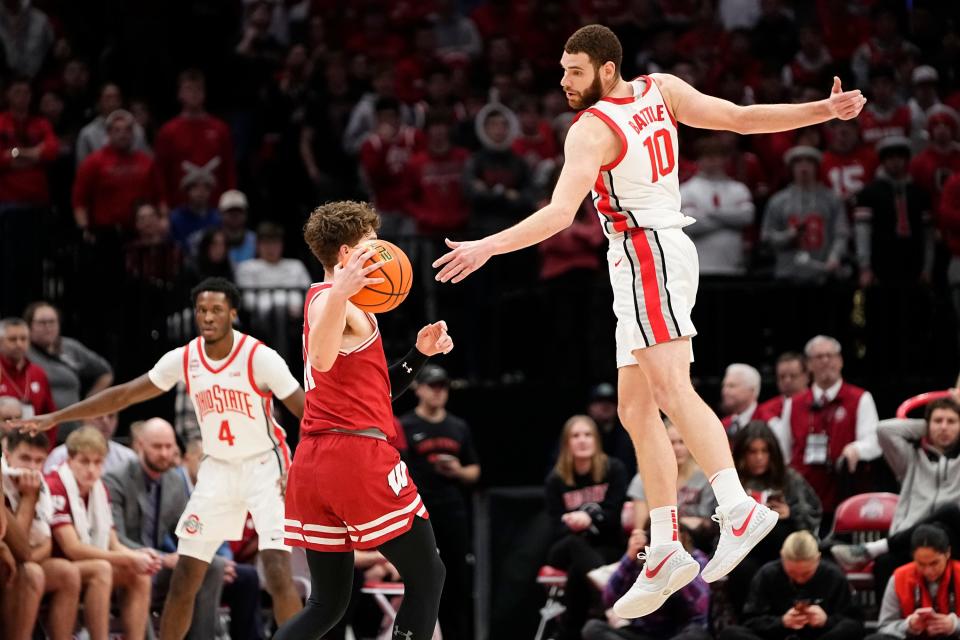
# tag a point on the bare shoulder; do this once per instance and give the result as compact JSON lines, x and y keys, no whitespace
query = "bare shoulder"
{"x":589,"y":132}
{"x":670,"y":85}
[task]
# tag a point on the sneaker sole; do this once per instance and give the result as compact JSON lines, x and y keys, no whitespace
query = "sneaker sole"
{"x":680,"y":578}
{"x":752,"y":541}
{"x":849,"y":567}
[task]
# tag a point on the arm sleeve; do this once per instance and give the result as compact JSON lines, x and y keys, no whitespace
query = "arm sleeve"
{"x":405,"y":371}
{"x":468,"y":453}
{"x":739,"y":212}
{"x":841,"y":228}
{"x":92,"y":364}
{"x":271,"y":372}
{"x":118,"y":498}
{"x":607,"y":520}
{"x":863,"y":230}
{"x":757,"y":613}
{"x":168,"y":371}
{"x":781,"y":429}
{"x":867,"y":445}
{"x":898,"y":438}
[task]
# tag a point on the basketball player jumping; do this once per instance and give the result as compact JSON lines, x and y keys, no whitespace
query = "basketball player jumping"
{"x":231,"y":378}
{"x":623,"y":147}
{"x":348,"y":488}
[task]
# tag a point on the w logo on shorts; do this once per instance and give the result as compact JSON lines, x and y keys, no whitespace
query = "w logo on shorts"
{"x":397,"y":478}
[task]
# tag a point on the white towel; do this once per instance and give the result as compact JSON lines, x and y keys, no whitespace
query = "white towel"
{"x":43,"y":511}
{"x":93,"y":524}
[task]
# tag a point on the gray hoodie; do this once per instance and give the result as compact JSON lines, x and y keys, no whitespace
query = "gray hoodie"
{"x":928,"y":478}
{"x":893,"y":624}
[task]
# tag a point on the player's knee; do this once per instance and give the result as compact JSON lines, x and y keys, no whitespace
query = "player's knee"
{"x":64,"y":576}
{"x":276,"y":570}
{"x":436,"y":574}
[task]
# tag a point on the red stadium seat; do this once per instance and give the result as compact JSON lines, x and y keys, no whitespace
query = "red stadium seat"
{"x":864,"y":517}
{"x":916,"y":402}
{"x":555,"y":582}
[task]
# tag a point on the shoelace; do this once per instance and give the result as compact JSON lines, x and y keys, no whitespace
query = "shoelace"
{"x":719,"y":518}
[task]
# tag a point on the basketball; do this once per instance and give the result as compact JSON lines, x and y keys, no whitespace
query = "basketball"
{"x":397,"y":277}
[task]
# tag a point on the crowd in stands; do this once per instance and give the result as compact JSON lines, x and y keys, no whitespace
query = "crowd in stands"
{"x":131,"y":169}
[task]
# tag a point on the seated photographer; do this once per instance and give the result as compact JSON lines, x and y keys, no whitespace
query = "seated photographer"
{"x":921,"y":599}
{"x":798,"y":597}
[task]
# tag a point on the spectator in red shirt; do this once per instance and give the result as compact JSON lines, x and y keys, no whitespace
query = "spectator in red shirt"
{"x":436,"y":178}
{"x":194,"y":142}
{"x":385,"y":158}
{"x":411,"y":71}
{"x":809,"y":62}
{"x":847,"y":164}
{"x":931,"y":168}
{"x":20,"y":378}
{"x":792,"y":378}
{"x":535,"y":142}
{"x":883,"y":115}
{"x":111,"y":180}
{"x":27,"y":146}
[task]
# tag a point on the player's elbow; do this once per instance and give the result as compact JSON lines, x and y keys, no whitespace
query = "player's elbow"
{"x":322,"y":362}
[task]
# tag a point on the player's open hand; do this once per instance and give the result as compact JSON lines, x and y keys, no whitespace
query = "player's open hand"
{"x":845,"y":105}
{"x":434,"y":339}
{"x":33,"y":425}
{"x":465,"y":258}
{"x":352,"y":276}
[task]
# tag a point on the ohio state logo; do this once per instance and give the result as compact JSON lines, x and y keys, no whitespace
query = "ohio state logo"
{"x":192,"y":524}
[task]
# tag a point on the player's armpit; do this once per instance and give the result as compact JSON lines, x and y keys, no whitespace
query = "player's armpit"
{"x":327,"y":315}
{"x":588,"y":142}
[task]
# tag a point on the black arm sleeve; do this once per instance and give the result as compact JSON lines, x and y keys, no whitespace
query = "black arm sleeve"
{"x":404,"y":372}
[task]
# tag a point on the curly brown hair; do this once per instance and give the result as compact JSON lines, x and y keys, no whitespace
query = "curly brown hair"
{"x":335,"y":224}
{"x":599,"y":43}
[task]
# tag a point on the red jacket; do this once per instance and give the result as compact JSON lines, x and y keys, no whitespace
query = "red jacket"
{"x":202,"y":141}
{"x":30,"y":386}
{"x":25,"y":185}
{"x":576,"y":247}
{"x":110,"y":182}
{"x":540,"y":146}
{"x":912,"y":591}
{"x":837,"y":419}
{"x":437,"y":201}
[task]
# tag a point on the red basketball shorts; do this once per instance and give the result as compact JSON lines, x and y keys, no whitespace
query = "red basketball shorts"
{"x":348,"y":492}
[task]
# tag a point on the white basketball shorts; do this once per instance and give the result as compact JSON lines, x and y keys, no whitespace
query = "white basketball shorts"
{"x":225,"y":492}
{"x":655,"y":275}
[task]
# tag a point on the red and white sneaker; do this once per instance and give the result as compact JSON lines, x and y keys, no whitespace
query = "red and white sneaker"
{"x":668,"y":568}
{"x":742,"y":527}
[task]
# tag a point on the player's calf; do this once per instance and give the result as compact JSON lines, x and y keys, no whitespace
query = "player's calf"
{"x":279,"y":579}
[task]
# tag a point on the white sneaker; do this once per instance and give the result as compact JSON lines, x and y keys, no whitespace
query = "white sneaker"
{"x":742,"y":527}
{"x":668,"y":568}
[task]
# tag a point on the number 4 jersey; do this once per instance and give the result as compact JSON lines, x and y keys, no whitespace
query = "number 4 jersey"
{"x":640,"y":188}
{"x":233,"y":397}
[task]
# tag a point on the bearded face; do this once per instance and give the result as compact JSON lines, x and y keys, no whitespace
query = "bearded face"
{"x":588,"y":96}
{"x":581,"y":80}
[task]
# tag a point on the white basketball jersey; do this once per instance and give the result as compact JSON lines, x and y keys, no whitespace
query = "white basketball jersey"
{"x":640,"y":189}
{"x":235,"y":417}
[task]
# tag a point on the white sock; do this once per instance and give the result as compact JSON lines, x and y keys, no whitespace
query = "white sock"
{"x":726,"y":486}
{"x":877,"y":548}
{"x":663,"y":526}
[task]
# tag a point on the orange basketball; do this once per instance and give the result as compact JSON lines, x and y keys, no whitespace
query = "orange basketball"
{"x":397,"y":277}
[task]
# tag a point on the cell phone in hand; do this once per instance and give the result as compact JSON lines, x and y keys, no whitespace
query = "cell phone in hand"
{"x":801,"y":604}
{"x":445,"y":458}
{"x":925,"y":612}
{"x":775,"y":496}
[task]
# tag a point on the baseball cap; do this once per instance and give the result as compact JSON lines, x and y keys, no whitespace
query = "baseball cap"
{"x":434,"y":374}
{"x":269,"y":231}
{"x":924,"y":73}
{"x":232,"y":199}
{"x":893,"y":143}
{"x":603,"y":391}
{"x":802,"y":152}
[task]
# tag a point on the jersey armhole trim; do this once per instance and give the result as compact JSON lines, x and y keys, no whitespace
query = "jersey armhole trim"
{"x":647,"y":83}
{"x":186,"y":359}
{"x":616,"y":129}
{"x":666,"y":106}
{"x":250,"y":376}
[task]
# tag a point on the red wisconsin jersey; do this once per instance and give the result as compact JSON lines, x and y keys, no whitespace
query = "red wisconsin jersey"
{"x":847,"y":174}
{"x":875,"y":125}
{"x":355,"y":393}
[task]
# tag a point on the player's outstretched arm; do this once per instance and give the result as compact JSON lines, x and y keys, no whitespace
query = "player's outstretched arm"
{"x":707,"y":112}
{"x":107,"y":401}
{"x":583,"y":156}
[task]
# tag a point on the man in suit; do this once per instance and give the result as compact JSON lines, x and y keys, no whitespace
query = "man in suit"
{"x":148,"y":496}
